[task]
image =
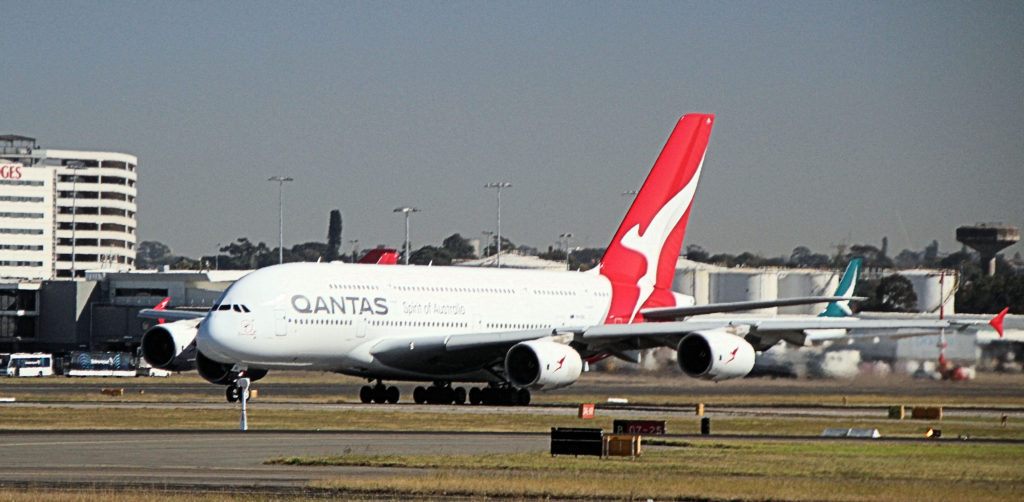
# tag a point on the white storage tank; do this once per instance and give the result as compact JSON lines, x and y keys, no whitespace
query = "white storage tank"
{"x":931,"y":287}
{"x":738,"y":285}
{"x":796,"y":283}
{"x":694,"y":282}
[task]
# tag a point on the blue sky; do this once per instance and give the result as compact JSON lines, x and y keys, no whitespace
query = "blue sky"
{"x":836,"y":121}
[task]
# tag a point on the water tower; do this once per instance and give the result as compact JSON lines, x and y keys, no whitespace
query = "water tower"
{"x":988,"y":239}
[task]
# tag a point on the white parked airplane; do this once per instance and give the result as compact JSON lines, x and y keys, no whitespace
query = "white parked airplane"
{"x":511,"y":330}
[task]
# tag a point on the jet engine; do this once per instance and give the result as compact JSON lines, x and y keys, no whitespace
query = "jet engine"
{"x":171,"y":346}
{"x":213,"y":371}
{"x":222,"y":373}
{"x":542,"y":364}
{"x":715,"y":355}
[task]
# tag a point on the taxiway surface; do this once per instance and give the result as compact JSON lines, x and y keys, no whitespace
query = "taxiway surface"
{"x":223,"y":458}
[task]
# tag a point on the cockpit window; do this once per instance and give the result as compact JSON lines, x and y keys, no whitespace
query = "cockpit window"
{"x":224,"y":307}
{"x":237,"y":308}
{"x":244,"y":309}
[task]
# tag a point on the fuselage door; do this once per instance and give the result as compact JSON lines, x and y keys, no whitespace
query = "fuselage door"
{"x":280,"y":323}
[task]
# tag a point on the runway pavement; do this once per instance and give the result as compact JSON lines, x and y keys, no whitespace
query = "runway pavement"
{"x":223,"y":458}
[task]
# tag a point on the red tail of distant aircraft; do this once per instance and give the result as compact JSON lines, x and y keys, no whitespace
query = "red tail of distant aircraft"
{"x":162,"y":306}
{"x":380,"y":256}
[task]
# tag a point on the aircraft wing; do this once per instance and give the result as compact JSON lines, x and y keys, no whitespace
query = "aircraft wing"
{"x":455,"y":353}
{"x":176,"y":315}
{"x":761,"y":332}
{"x":716,"y":308}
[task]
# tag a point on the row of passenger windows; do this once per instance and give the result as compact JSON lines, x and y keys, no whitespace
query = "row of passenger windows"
{"x":554,"y":292}
{"x":321,"y":322}
{"x":359,"y":287}
{"x":445,"y":289}
{"x":419,"y":324}
{"x":21,"y":215}
{"x":513,"y":325}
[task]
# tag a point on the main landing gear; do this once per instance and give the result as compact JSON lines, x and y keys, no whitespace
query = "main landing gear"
{"x":379,"y":393}
{"x":439,"y":393}
{"x":444,"y":393}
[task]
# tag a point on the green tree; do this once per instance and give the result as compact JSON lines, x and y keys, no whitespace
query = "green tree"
{"x":152,"y":254}
{"x":892,"y":293}
{"x":696,"y":253}
{"x":457,"y":247}
{"x":430,"y":255}
{"x":333,"y":236}
{"x":243,"y":254}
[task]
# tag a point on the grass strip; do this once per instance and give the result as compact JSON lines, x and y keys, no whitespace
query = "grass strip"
{"x":58,"y":417}
{"x":734,"y":470}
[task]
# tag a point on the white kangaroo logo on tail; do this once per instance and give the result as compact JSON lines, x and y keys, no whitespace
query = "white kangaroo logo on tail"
{"x":649,"y":244}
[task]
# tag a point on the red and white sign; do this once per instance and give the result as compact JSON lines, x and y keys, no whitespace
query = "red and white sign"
{"x":11,"y":171}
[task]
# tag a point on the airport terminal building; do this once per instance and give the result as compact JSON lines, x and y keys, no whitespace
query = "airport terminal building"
{"x":63,"y":212}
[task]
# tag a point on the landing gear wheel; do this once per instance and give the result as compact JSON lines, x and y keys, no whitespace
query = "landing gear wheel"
{"x":392,"y":394}
{"x":524,"y":397}
{"x":366,"y":394}
{"x":233,"y":393}
{"x":474,"y":396}
{"x":460,"y":395}
{"x":380,"y":394}
{"x":419,"y":394}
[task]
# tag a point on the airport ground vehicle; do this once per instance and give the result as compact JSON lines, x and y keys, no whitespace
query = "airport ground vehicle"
{"x":23,"y":364}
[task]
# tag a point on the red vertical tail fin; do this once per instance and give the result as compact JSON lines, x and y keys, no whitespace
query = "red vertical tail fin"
{"x":640,"y":261}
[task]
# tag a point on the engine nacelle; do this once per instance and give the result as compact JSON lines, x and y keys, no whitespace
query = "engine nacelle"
{"x":542,"y":364}
{"x":214,"y":371}
{"x":171,"y":346}
{"x":715,"y":355}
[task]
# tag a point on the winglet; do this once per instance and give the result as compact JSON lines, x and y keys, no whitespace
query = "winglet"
{"x":997,"y":321}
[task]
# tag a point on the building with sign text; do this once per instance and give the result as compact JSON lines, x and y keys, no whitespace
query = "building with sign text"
{"x":63,"y":212}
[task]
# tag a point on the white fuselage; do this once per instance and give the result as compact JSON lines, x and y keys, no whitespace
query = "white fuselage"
{"x":328,"y":316}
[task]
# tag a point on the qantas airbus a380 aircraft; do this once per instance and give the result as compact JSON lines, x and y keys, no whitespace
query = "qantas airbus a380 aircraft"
{"x":510,"y":330}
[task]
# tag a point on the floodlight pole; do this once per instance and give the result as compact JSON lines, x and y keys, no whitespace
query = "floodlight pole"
{"x":280,"y":215}
{"x":406,"y":210}
{"x":498,"y":185}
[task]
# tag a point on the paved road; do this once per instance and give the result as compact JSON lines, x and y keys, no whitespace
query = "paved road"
{"x":222,"y":458}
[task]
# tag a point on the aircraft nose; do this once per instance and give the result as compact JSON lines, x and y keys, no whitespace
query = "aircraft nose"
{"x":215,"y":338}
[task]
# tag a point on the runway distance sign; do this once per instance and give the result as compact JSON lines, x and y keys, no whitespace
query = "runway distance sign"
{"x":641,"y":427}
